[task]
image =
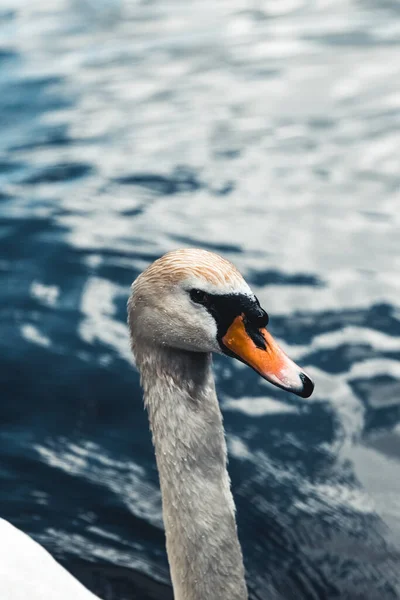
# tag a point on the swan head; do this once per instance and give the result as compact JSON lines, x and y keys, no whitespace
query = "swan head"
{"x":197,"y":301}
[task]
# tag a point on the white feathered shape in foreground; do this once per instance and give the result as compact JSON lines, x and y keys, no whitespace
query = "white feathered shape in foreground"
{"x":186,"y":305}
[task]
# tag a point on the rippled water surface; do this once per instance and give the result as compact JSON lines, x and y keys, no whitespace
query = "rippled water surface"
{"x":266,"y":131}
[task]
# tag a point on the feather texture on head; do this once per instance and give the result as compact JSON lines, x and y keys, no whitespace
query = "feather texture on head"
{"x":194,"y":267}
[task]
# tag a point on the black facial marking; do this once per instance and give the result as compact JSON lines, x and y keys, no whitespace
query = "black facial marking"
{"x":225,"y":308}
{"x":254,"y":333}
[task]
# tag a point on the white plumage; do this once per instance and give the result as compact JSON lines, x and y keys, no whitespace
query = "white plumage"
{"x":29,"y":572}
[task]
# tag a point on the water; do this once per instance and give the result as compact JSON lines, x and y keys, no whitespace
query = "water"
{"x":266,"y":131}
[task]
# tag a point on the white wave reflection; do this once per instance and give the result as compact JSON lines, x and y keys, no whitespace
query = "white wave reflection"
{"x":123,"y":477}
{"x":98,"y":308}
{"x":257,"y":407}
{"x":46,"y":294}
{"x":32,"y":334}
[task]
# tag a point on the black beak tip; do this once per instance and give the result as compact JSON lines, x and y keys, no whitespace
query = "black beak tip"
{"x":308,"y":386}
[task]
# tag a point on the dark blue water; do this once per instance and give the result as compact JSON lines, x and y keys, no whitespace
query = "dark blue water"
{"x":268,"y":132}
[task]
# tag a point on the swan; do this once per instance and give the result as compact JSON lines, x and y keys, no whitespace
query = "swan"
{"x":184,"y":306}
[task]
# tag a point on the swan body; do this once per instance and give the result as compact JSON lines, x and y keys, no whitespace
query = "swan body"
{"x":186,"y":305}
{"x":29,"y":572}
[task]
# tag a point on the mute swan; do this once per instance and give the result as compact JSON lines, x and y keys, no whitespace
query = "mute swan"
{"x":184,"y":306}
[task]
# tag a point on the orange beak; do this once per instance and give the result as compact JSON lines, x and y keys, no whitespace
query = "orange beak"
{"x":270,"y":362}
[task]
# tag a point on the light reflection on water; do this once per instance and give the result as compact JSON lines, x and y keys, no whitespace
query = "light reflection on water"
{"x":268,"y":132}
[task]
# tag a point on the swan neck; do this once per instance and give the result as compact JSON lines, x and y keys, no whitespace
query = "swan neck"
{"x":199,"y":515}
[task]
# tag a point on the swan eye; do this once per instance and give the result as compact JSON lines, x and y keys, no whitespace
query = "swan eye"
{"x":198,"y":296}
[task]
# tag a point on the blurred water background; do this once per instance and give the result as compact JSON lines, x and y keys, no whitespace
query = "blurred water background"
{"x":268,"y":131}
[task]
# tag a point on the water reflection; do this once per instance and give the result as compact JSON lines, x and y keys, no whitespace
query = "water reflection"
{"x":267,"y":132}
